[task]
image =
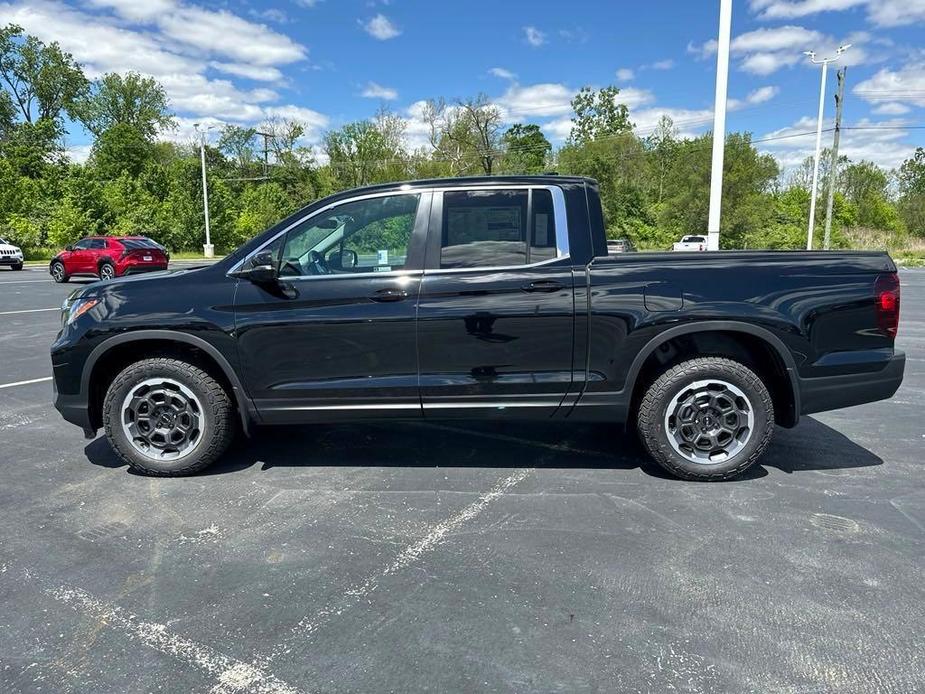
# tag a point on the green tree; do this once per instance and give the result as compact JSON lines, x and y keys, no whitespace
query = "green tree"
{"x":129,"y":99}
{"x":526,"y":149}
{"x":598,"y":114}
{"x":466,"y":135}
{"x":121,"y":149}
{"x":911,"y":178}
{"x":43,"y":81}
{"x":747,"y":180}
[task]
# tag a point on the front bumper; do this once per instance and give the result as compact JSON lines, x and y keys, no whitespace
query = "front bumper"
{"x":845,"y":390}
{"x":10,"y":260}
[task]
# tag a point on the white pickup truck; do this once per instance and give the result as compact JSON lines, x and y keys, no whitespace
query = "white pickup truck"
{"x":691,"y":243}
{"x":10,"y":255}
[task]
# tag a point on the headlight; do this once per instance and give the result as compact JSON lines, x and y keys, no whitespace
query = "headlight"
{"x":72,"y":309}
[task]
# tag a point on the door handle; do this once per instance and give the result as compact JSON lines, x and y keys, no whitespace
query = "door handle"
{"x":545,"y":286}
{"x":389,"y":294}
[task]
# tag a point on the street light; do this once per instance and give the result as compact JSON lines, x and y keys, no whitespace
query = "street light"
{"x":208,"y":250}
{"x":812,"y":200}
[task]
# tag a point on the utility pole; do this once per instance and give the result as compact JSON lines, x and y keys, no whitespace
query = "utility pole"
{"x":812,"y":200}
{"x":266,"y":147}
{"x":719,"y":124}
{"x":839,"y":105}
{"x":208,"y":250}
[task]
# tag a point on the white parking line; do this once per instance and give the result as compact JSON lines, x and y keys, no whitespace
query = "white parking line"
{"x":24,"y":383}
{"x":31,"y":310}
{"x":27,"y":281}
{"x":359,"y":592}
{"x":233,"y":674}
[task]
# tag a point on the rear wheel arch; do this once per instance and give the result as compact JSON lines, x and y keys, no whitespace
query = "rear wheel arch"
{"x":756,"y":347}
{"x":110,"y":357}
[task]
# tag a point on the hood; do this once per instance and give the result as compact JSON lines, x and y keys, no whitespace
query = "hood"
{"x":146,"y":280}
{"x":8,"y":247}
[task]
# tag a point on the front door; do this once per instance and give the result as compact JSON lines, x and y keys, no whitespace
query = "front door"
{"x":496,"y":314}
{"x":336,"y":336}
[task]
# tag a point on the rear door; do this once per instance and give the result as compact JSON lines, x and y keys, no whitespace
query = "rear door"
{"x":496,"y":313}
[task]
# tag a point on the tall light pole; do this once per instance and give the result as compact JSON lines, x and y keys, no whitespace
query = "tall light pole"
{"x":208,"y":250}
{"x":719,"y":124}
{"x":812,"y":200}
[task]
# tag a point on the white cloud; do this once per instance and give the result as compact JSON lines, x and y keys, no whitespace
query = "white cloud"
{"x":381,"y":27}
{"x":534,"y":36}
{"x":662,"y":64}
{"x":536,"y":100}
{"x":216,"y":32}
{"x":78,"y":153}
{"x":903,"y":86}
{"x":223,"y":33}
{"x":136,"y":10}
{"x":885,"y":13}
{"x":502,"y":73}
{"x":137,"y":38}
{"x":251,"y":72}
{"x":377,"y":91}
{"x":625,"y":74}
{"x":891,"y":108}
{"x":764,"y":51}
{"x":790,"y":9}
{"x":882,"y":142}
{"x":758,"y":96}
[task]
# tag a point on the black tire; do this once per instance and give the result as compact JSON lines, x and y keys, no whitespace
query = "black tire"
{"x":17,"y":267}
{"x":217,"y":416}
{"x":660,"y":396}
{"x":58,"y":273}
{"x":107,"y":271}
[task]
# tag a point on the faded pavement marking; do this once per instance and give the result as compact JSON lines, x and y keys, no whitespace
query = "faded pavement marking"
{"x":310,"y":624}
{"x":233,"y":675}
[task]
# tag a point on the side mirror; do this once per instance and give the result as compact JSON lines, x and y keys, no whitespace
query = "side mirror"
{"x":69,"y":247}
{"x":342,"y":260}
{"x":260,"y":269}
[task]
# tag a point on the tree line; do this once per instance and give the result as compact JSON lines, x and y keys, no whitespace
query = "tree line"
{"x":654,"y":188}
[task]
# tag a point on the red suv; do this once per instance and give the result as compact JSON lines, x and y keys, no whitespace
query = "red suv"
{"x":108,"y":256}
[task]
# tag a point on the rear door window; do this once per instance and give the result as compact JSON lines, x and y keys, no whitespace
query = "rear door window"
{"x":497,"y":228}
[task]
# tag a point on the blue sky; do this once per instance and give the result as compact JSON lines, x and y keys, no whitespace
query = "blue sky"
{"x":327,"y":62}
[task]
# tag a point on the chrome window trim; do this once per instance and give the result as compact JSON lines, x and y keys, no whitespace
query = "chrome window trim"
{"x":559,"y":216}
{"x":369,"y":196}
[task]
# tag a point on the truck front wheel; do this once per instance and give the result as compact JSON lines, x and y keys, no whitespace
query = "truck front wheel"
{"x":165,"y":417}
{"x":707,"y":419}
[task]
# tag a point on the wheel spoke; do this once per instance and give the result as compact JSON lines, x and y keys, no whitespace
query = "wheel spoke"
{"x":709,"y":421}
{"x":161,"y":419}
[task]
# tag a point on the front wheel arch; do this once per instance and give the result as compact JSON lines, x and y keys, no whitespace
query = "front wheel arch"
{"x":115,"y":353}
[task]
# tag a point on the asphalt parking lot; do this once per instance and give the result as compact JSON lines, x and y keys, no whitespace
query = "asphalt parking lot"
{"x":448,"y":558}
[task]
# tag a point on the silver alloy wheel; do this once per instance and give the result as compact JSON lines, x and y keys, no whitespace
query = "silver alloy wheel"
{"x":162,"y":419}
{"x":709,"y":421}
{"x":57,"y":271}
{"x":107,"y":272}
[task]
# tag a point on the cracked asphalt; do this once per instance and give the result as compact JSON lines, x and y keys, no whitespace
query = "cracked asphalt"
{"x":458,"y":558}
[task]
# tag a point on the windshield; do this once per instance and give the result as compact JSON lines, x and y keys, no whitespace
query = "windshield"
{"x":3,"y":242}
{"x":693,"y":239}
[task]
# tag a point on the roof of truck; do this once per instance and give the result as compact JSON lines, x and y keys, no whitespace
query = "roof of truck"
{"x":539,"y":179}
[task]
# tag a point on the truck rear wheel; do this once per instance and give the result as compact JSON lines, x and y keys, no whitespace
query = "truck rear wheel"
{"x":707,"y":419}
{"x":166,"y":418}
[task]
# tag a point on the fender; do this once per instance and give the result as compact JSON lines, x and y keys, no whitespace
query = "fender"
{"x":245,"y":406}
{"x":719,"y":325}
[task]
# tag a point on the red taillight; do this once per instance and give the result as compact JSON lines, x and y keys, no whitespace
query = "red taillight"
{"x":886,"y":289}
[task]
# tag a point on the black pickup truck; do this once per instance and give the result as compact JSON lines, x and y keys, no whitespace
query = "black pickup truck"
{"x":476,"y":298}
